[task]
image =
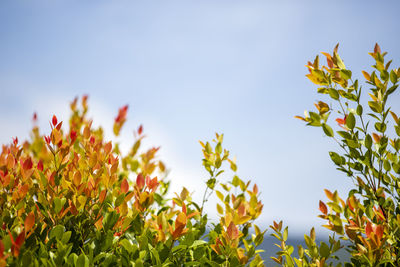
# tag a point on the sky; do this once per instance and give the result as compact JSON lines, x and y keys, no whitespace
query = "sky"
{"x":189,"y":69}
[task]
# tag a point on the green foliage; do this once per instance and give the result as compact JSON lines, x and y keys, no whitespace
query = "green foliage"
{"x":72,"y":199}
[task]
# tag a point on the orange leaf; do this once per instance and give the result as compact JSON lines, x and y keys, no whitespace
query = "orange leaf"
{"x":322,"y":207}
{"x":77,"y":178}
{"x":328,"y":194}
{"x":255,"y":189}
{"x":376,"y":137}
{"x":140,"y":181}
{"x":180,"y":219}
{"x":124,"y":186}
{"x":102,"y":195}
{"x":366,"y":75}
{"x":232,"y":231}
{"x":241,"y":210}
{"x":29,"y":221}
{"x":368,"y":229}
{"x":10,"y":161}
{"x":379,"y":232}
{"x":107,"y":148}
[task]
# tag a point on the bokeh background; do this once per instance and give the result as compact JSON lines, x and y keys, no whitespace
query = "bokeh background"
{"x":188,"y":69}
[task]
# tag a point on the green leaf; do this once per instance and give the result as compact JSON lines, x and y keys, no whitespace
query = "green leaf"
{"x":368,"y":141}
{"x":65,"y":237}
{"x":380,"y":127}
{"x":218,"y":148}
{"x":350,"y":121}
{"x":327,"y":130}
{"x":72,"y":259}
{"x":393,"y":76}
{"x":57,"y":232}
{"x":324,"y":250}
{"x":346,"y":74}
{"x":359,"y":110}
{"x":375,"y":106}
{"x":335,"y":158}
{"x":285,"y":234}
{"x":333,"y":93}
{"x":126,"y":245}
{"x":57,"y":205}
{"x":119,"y":200}
{"x":82,"y":261}
{"x":197,"y":243}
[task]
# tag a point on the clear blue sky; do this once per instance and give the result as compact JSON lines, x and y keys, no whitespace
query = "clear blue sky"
{"x":189,"y":69}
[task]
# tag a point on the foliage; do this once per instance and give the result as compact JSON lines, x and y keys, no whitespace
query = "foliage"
{"x":71,"y":198}
{"x":369,"y":219}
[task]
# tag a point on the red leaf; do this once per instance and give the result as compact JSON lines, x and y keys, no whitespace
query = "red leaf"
{"x":15,"y":141}
{"x":73,"y":136}
{"x":27,"y":164}
{"x":47,"y":139}
{"x":140,"y":129}
{"x":40,"y":165}
{"x":54,"y":120}
{"x":17,"y":244}
{"x":58,"y":127}
{"x":1,"y":250}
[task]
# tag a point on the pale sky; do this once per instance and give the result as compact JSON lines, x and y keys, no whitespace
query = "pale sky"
{"x":189,"y":69}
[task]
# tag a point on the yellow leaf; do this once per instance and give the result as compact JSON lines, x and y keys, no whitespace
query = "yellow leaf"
{"x":366,"y":75}
{"x":220,"y":195}
{"x":220,"y":209}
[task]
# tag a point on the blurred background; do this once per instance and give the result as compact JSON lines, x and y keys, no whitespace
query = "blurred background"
{"x":188,"y":69}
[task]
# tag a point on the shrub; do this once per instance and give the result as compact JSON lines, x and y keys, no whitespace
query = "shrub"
{"x":70,"y":198}
{"x":369,"y":218}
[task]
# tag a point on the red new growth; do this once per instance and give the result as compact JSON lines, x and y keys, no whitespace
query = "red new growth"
{"x":140,"y":181}
{"x":72,"y":136}
{"x":122,"y":114}
{"x":342,"y":122}
{"x":40,"y":165}
{"x":27,"y":164}
{"x":54,"y":120}
{"x":15,"y":141}
{"x":47,"y":139}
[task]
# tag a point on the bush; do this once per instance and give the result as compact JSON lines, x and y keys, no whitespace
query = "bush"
{"x":369,"y":219}
{"x":71,"y":198}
